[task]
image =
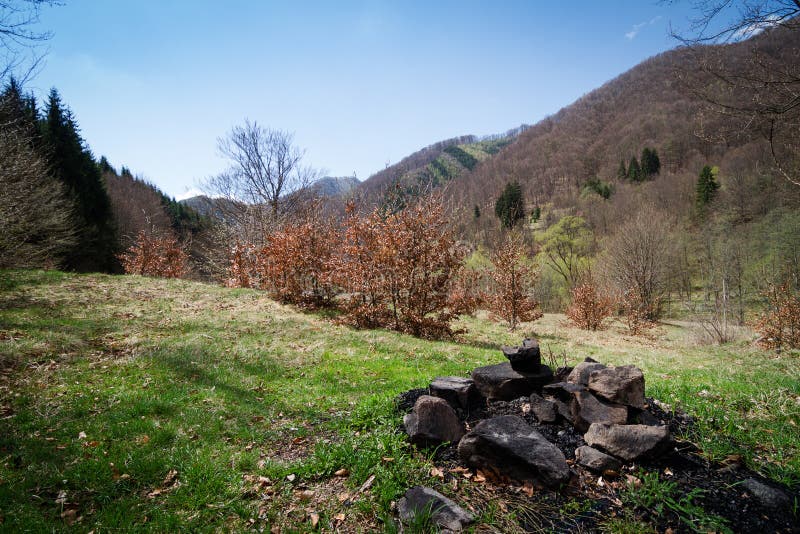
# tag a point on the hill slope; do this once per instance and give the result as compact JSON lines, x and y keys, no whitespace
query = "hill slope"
{"x":651,"y":105}
{"x":170,"y":405}
{"x":437,"y":164}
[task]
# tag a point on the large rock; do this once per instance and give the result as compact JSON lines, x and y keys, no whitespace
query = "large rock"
{"x":767,"y":495}
{"x":595,"y":460}
{"x":629,"y":442}
{"x":459,"y":392}
{"x":442,"y":511}
{"x":588,"y":409}
{"x":502,"y":382}
{"x":563,"y":391}
{"x":623,"y":385}
{"x":432,"y":421}
{"x":525,"y":358}
{"x":512,"y":447}
{"x":544,"y":410}
{"x":580,"y":374}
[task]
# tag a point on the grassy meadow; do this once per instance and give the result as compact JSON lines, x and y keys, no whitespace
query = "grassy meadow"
{"x":129,"y":403}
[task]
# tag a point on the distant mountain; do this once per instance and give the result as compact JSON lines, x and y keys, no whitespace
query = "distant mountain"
{"x":331,"y":186}
{"x":438,"y":163}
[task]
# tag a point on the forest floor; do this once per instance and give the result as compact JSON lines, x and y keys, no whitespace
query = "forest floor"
{"x":133,"y":403}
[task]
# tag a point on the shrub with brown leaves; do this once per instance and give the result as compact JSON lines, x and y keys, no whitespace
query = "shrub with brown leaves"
{"x":157,"y":256}
{"x":637,"y":312}
{"x":293,"y":265}
{"x":398,"y":270}
{"x":589,"y":308}
{"x":513,"y":279}
{"x":242,"y":267}
{"x":779,"y":325}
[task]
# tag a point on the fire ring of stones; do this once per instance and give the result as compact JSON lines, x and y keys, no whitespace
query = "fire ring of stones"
{"x":605,"y":404}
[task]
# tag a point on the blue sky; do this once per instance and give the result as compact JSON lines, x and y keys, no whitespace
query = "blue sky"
{"x":360,"y":83}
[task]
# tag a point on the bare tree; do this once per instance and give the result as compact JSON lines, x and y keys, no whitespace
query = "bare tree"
{"x":35,"y":214}
{"x":19,"y":42}
{"x":266,"y":167}
{"x":636,"y":259}
{"x":759,"y":88}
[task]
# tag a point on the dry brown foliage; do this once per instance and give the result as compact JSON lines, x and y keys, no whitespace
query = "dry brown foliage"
{"x":779,"y":325}
{"x":513,"y":278}
{"x":398,"y":271}
{"x":637,"y":312}
{"x":589,"y":308}
{"x":293,"y":265}
{"x":241,"y":271}
{"x":465,"y":292}
{"x":158,"y":256}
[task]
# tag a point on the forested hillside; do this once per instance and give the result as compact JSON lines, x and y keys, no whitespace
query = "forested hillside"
{"x":657,"y":104}
{"x":436,"y":165}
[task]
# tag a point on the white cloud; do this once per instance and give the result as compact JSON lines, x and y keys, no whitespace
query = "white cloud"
{"x":638,"y":27}
{"x":754,"y":29}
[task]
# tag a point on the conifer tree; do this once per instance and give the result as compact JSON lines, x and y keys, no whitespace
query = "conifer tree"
{"x":510,"y":205}
{"x":634,"y":171}
{"x":73,"y":164}
{"x":650,"y":165}
{"x":622,"y":172}
{"x":706,"y":187}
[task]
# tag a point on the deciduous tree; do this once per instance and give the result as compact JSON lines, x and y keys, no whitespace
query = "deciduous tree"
{"x":513,"y":279}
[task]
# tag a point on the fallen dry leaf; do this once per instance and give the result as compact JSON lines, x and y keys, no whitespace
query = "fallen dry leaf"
{"x":339,"y":517}
{"x":367,"y":484}
{"x":342,"y":472}
{"x":70,"y":516}
{"x":436,"y":472}
{"x":528,"y":489}
{"x":314,"y":519}
{"x":82,"y":435}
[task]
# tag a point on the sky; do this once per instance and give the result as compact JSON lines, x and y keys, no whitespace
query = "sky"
{"x":361,"y":84}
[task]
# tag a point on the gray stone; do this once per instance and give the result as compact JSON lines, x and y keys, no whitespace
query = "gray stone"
{"x":443,"y":512}
{"x":588,"y":409}
{"x":433,"y":421}
{"x":510,"y":446}
{"x":502,"y":382}
{"x":458,"y":391}
{"x":580,"y":374}
{"x":595,"y":460}
{"x":767,"y":495}
{"x":544,"y":410}
{"x":525,"y":358}
{"x":563,"y":391}
{"x":623,"y":385}
{"x":643,"y":417}
{"x":564,"y":410}
{"x":629,"y":442}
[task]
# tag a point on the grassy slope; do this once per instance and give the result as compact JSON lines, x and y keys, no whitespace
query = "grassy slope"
{"x":120,"y":380}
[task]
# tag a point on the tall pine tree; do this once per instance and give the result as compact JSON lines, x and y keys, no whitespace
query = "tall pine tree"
{"x":510,"y":205}
{"x":651,"y":164}
{"x":622,"y":172}
{"x":634,"y":172}
{"x":74,"y":165}
{"x":706,"y":187}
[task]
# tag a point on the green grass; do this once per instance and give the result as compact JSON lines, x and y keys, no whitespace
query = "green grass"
{"x":108,"y":384}
{"x":662,"y":497}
